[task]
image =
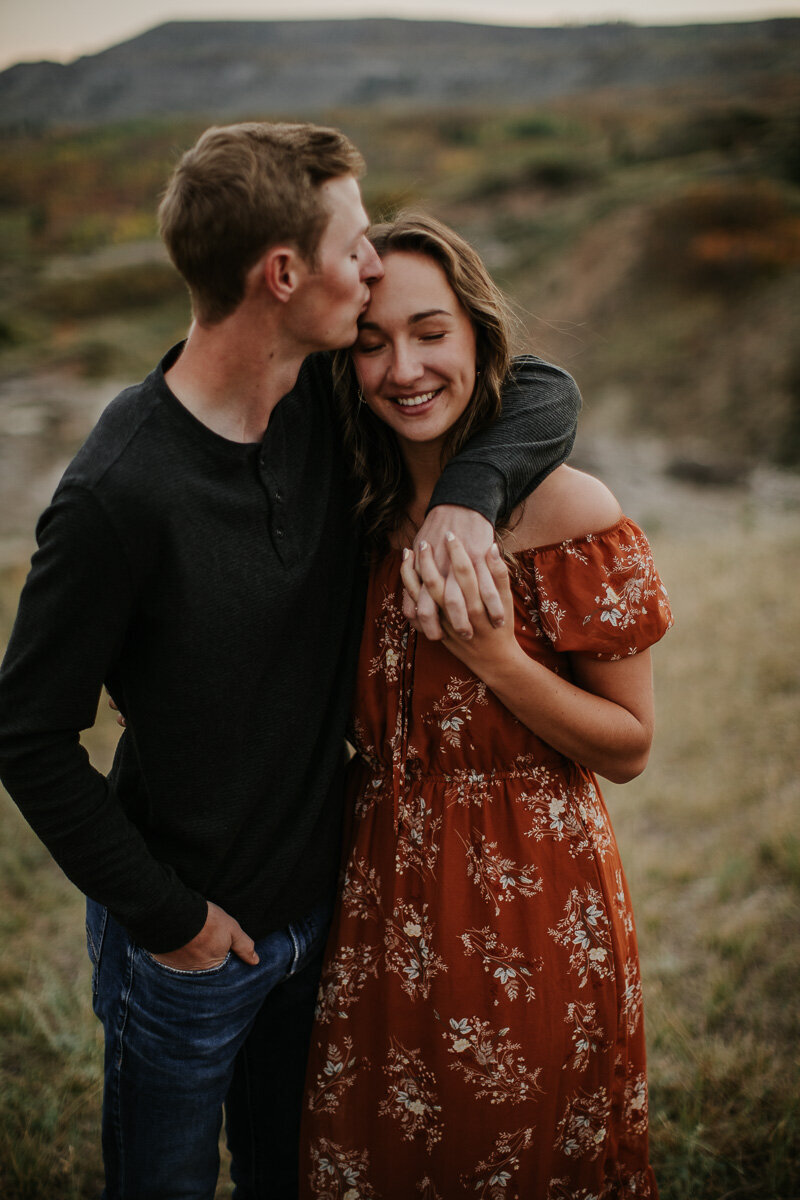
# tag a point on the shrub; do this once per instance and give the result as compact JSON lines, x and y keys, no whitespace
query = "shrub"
{"x":106,"y":292}
{"x":721,"y":234}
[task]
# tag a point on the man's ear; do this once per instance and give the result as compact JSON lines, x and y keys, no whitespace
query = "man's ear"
{"x":281,"y":270}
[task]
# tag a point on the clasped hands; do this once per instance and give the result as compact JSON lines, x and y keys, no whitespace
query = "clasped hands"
{"x":456,"y":584}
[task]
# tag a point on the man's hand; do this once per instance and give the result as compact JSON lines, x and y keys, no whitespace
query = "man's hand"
{"x":209,"y":948}
{"x":476,"y":535}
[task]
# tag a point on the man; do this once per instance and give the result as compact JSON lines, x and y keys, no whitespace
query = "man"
{"x":198,"y":558}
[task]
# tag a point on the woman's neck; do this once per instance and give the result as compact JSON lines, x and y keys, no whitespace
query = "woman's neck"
{"x":423,"y":462}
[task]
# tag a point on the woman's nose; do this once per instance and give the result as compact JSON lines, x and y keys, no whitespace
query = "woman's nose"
{"x":406,"y":367}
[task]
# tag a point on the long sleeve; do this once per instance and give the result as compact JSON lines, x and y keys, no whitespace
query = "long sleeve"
{"x":534,"y":434}
{"x":74,"y":612}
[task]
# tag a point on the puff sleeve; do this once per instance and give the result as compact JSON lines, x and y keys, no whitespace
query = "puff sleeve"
{"x":601,"y":594}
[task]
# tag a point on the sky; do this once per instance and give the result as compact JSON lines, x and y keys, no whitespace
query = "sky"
{"x":62,"y":30}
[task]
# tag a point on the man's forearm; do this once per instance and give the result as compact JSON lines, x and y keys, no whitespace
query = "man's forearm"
{"x":533,"y":435}
{"x":71,"y":808}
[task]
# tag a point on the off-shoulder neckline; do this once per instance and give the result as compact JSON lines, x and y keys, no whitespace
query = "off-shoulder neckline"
{"x":591,"y":536}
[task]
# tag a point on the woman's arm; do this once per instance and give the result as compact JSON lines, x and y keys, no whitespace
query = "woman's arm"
{"x":604,"y":720}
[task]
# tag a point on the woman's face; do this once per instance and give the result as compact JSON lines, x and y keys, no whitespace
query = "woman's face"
{"x":415,"y":353}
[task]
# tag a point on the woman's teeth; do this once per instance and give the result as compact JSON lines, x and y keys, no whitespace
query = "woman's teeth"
{"x":413,"y":401}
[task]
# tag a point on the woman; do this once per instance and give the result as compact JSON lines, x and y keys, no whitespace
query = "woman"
{"x":479,"y":1029}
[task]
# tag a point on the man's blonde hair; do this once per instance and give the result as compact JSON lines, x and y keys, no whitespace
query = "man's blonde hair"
{"x":240,"y":190}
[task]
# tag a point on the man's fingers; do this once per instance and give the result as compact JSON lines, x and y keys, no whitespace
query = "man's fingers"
{"x":115,"y":708}
{"x":244,"y":947}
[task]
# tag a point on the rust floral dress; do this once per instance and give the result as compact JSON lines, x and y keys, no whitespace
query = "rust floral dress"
{"x":479,"y":1029}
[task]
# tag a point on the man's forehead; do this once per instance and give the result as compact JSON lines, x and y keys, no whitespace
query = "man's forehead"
{"x":342,"y":196}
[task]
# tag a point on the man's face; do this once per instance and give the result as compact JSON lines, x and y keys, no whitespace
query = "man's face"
{"x":334,"y":293}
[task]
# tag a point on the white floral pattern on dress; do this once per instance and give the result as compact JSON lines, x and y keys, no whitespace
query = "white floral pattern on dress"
{"x":488,"y":1060}
{"x":342,"y":980}
{"x":417,"y":837}
{"x":393,"y":640}
{"x":409,"y":952}
{"x":491,"y":1178}
{"x":587,"y":1035}
{"x":510,"y":968}
{"x":497,"y":878}
{"x":574,"y":816}
{"x":340,"y":1174}
{"x":585,"y":931}
{"x":412,"y":1099}
{"x":455,"y":708}
{"x":338,"y":1074}
{"x":583,"y":1128}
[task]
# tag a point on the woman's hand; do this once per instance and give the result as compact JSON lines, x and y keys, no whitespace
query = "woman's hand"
{"x":476,"y":535}
{"x":604,"y":720}
{"x":489,"y":643}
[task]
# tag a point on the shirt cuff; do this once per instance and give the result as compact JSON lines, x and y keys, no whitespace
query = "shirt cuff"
{"x":474,"y":485}
{"x":171,"y":925}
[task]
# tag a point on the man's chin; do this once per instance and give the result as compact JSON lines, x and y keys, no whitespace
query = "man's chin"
{"x":348,"y":339}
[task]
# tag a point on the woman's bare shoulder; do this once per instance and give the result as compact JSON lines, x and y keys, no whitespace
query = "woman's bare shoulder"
{"x":568,"y":504}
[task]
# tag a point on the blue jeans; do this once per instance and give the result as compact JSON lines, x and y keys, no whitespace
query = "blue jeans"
{"x":181,"y":1044}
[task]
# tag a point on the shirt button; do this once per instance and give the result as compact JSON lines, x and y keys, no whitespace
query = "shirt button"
{"x":278,"y":533}
{"x":279,"y":497}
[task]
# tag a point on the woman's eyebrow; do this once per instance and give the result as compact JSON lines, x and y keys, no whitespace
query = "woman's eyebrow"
{"x":412,"y":320}
{"x":431,"y":312}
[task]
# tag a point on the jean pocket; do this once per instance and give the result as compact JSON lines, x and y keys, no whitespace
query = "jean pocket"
{"x":96,"y":919}
{"x":177,"y":973}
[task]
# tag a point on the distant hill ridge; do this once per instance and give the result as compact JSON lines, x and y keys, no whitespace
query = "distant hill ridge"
{"x":233,"y":68}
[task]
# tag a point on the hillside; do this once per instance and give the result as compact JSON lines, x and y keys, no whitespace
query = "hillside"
{"x":227,"y":68}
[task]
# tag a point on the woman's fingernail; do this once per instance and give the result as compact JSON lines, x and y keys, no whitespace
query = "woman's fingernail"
{"x":451,"y":537}
{"x":423,"y":545}
{"x":406,"y":553}
{"x":495,"y":550}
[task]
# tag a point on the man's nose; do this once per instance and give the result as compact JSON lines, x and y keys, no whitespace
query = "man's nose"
{"x":372,"y":268}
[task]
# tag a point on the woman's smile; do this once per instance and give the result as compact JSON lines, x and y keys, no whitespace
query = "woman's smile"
{"x":416,"y":401}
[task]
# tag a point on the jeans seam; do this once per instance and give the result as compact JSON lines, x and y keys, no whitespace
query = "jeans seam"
{"x":118,"y":1056}
{"x":96,"y":950}
{"x":297,"y":951}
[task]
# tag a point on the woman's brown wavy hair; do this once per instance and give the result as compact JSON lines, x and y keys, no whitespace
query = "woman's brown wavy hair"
{"x":371,"y":445}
